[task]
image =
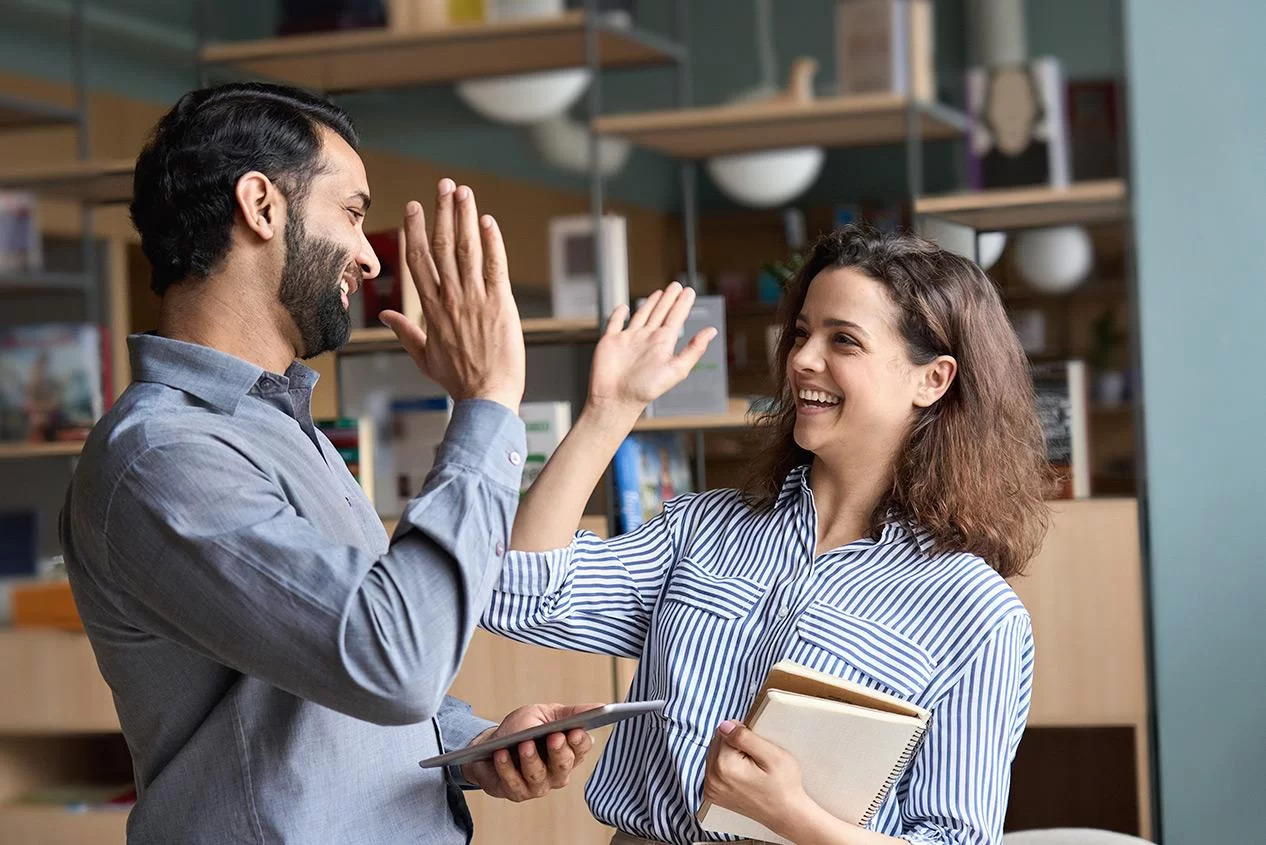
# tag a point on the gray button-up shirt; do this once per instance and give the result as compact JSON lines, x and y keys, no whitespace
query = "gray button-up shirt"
{"x":278,"y":666}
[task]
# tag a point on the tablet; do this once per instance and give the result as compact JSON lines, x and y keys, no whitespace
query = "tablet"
{"x":588,"y":720}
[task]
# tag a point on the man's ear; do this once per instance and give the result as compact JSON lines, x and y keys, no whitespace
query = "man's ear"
{"x":937,"y":376}
{"x":260,"y":204}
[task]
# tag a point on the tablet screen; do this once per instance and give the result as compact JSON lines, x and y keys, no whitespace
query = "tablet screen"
{"x":588,"y":720}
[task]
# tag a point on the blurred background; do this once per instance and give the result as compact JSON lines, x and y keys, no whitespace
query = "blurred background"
{"x":1100,"y":158}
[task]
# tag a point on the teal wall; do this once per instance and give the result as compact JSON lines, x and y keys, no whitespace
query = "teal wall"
{"x":1198,"y":127}
{"x":144,"y":48}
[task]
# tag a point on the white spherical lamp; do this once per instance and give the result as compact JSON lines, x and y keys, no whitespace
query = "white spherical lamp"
{"x":525,"y":98}
{"x":989,"y":247}
{"x":564,"y":143}
{"x":769,"y":178}
{"x":1054,"y":260}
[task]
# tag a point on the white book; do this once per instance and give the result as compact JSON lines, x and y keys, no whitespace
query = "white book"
{"x":547,"y":423}
{"x":852,"y":744}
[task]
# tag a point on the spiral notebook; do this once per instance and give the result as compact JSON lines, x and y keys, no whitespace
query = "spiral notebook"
{"x":852,"y":743}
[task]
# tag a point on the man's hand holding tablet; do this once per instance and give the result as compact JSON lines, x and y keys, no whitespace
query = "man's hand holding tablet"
{"x":546,"y":740}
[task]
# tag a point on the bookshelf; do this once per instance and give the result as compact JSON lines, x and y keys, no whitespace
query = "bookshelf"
{"x":101,"y":182}
{"x":21,"y":113}
{"x":51,"y":825}
{"x":359,"y":60}
{"x":1104,"y":201}
{"x":737,"y":415}
{"x":12,"y":451}
{"x":535,"y":330}
{"x":852,"y":121}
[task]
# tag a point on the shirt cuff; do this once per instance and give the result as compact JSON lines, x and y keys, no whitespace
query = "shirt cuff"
{"x":458,"y":726}
{"x":535,"y":573}
{"x":488,"y":438}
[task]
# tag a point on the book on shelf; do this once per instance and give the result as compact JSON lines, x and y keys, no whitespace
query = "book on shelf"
{"x":852,"y":743}
{"x":874,"y":42}
{"x":353,"y":439}
{"x":392,"y":288}
{"x":21,"y":248}
{"x":547,"y":423}
{"x":706,"y":389}
{"x":1019,"y":130}
{"x":649,"y":469}
{"x":1060,"y":390}
{"x":52,"y":381}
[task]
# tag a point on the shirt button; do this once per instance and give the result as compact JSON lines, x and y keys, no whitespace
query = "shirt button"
{"x":754,"y":688}
{"x":515,"y":459}
{"x":500,"y":549}
{"x":783,"y":611}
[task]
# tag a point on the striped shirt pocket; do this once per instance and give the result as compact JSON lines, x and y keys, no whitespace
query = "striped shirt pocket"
{"x":862,"y":650}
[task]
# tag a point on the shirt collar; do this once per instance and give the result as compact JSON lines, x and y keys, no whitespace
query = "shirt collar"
{"x":217,"y":378}
{"x":895,"y":527}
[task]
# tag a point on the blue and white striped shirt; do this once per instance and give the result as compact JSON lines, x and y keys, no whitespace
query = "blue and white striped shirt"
{"x":709,"y":595}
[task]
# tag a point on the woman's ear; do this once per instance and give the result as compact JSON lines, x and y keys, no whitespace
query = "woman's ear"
{"x":260,"y":204}
{"x":936,"y":378}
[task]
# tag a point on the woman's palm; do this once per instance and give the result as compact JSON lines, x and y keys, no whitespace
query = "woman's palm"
{"x":637,"y":364}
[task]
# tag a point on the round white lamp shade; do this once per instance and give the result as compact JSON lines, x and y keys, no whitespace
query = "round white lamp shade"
{"x":525,"y":97}
{"x":989,"y":247}
{"x":1054,"y":260}
{"x":768,"y":178}
{"x":564,"y":143}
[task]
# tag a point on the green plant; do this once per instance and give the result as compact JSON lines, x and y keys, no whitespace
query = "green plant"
{"x":1105,"y":339}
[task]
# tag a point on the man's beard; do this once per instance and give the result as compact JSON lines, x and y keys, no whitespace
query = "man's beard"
{"x":310,"y":290}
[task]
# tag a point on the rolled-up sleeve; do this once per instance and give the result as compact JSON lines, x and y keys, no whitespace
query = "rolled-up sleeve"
{"x":594,"y":595}
{"x":211,"y":554}
{"x":961,"y":777}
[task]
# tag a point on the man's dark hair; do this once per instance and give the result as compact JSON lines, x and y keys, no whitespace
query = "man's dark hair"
{"x":183,"y":203}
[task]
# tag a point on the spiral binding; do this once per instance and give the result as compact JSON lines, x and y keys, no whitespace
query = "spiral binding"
{"x":912,"y":748}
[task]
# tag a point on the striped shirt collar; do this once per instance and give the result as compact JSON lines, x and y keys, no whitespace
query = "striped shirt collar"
{"x":215,"y":377}
{"x":796,"y":489}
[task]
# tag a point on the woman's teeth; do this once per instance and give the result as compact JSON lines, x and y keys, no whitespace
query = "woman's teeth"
{"x":820,"y":397}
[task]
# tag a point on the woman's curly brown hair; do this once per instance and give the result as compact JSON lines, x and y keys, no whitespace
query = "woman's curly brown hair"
{"x":973,"y":470}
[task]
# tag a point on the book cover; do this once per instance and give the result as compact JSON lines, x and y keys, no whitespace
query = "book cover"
{"x":416,"y":430}
{"x":649,"y":468}
{"x":353,"y":439}
{"x":1020,"y":128}
{"x":547,"y":423}
{"x":50,"y":381}
{"x":873,"y":737}
{"x":706,"y":389}
{"x":1060,"y":391}
{"x":874,"y":40}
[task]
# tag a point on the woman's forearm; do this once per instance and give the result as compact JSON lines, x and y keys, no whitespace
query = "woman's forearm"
{"x":813,"y":825}
{"x":551,"y":509}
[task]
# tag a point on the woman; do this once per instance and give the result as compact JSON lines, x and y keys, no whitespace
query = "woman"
{"x":901,"y":481}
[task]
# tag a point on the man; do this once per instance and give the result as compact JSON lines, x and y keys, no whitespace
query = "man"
{"x":278,"y":667}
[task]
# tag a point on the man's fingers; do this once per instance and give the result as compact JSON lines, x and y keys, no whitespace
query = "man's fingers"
{"x":411,"y":336}
{"x":533,"y":769}
{"x":616,"y":321}
{"x":643,"y":311}
{"x":562,"y":759}
{"x":511,"y":781}
{"x":469,"y":241}
{"x":496,"y":265}
{"x":417,"y":252}
{"x":443,"y":243}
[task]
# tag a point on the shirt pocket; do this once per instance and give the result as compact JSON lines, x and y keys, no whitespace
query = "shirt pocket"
{"x":862,"y":650}
{"x":730,"y":597}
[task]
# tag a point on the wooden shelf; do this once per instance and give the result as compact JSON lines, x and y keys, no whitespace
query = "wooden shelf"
{"x":1019,"y":208}
{"x":737,"y":416}
{"x":43,"y":283}
{"x":40,"y":450}
{"x":351,"y":61}
{"x":852,"y":121}
{"x":52,"y":685}
{"x":48,"y":825}
{"x":535,"y":330}
{"x":87,"y":181}
{"x":20,"y":113}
